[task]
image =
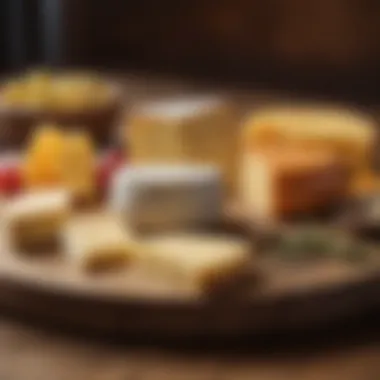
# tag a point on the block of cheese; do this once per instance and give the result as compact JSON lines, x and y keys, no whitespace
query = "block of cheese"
{"x":186,"y":131}
{"x":97,"y":241}
{"x":199,"y":262}
{"x":351,"y":134}
{"x":159,"y":197}
{"x":280,"y":182}
{"x":36,"y":218}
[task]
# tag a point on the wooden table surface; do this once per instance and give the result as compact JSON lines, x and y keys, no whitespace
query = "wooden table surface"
{"x":31,"y":352}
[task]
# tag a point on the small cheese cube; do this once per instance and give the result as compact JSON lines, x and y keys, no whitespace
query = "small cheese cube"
{"x":199,"y":262}
{"x":36,"y":218}
{"x":167,"y":197}
{"x":97,"y":241}
{"x":281,"y":182}
{"x":186,"y":131}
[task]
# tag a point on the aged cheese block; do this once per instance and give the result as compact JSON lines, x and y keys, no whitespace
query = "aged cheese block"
{"x":279,"y":182}
{"x":97,"y":241}
{"x":36,"y":218}
{"x":158,"y":197}
{"x":196,"y":130}
{"x":350,"y":134}
{"x":198,"y":262}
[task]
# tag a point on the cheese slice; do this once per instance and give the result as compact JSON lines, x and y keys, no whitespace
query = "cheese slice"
{"x":198,"y":262}
{"x":350,"y":134}
{"x":36,"y":217}
{"x":97,"y":241}
{"x":281,"y":182}
{"x":186,"y":131}
{"x":167,"y":197}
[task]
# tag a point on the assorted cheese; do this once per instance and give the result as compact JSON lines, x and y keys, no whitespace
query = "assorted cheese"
{"x":186,"y":131}
{"x":167,"y":197}
{"x":98,"y":241}
{"x":36,"y":218}
{"x":184,"y":153}
{"x":198,"y":261}
{"x":281,"y":182}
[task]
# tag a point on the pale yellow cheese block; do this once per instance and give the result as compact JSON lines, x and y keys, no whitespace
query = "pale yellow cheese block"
{"x":97,"y":241}
{"x":199,"y":262}
{"x":186,"y":131}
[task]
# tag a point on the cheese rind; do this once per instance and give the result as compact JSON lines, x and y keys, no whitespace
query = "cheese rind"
{"x":97,"y":241}
{"x":201,"y":262}
{"x":168,"y":196}
{"x":282,"y":182}
{"x":186,"y":131}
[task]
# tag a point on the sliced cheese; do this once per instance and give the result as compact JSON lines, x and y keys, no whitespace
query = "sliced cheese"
{"x":186,"y":131}
{"x":281,"y":182}
{"x":162,"y":197}
{"x":198,"y":262}
{"x":97,"y":241}
{"x":36,"y":217}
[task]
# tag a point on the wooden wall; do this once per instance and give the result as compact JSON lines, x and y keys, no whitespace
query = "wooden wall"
{"x":241,"y":39}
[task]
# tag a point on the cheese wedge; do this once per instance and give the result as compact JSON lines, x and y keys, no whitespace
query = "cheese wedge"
{"x":36,"y":218}
{"x":350,"y":134}
{"x":186,"y":131}
{"x":198,"y":262}
{"x":167,"y":197}
{"x":97,"y":241}
{"x":282,"y":182}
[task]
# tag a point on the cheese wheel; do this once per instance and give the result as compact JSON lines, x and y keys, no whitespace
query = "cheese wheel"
{"x":281,"y":182}
{"x":186,"y":131}
{"x":350,"y":134}
{"x":36,"y":218}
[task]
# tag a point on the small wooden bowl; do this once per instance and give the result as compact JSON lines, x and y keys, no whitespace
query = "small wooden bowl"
{"x":17,"y":123}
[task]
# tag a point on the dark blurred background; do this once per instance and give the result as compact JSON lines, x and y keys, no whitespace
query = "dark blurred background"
{"x":327,"y":46}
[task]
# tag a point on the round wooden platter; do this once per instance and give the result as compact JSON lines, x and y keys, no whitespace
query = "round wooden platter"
{"x":279,"y":296}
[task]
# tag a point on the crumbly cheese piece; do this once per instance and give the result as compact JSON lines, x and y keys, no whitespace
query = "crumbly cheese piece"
{"x":350,"y":134}
{"x":36,"y":217}
{"x":166,"y":197}
{"x":186,"y":131}
{"x":198,"y":261}
{"x":97,"y":241}
{"x":284,"y":181}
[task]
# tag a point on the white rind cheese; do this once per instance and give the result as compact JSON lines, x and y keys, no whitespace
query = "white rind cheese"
{"x":167,"y":197}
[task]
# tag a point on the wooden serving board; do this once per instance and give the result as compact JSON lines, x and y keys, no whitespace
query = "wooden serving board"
{"x":279,"y":296}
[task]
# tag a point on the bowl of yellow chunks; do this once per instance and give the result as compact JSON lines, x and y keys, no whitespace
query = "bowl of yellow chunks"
{"x":68,"y":99}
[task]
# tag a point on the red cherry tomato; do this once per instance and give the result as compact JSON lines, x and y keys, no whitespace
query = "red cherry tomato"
{"x":107,"y":167}
{"x":10,"y":178}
